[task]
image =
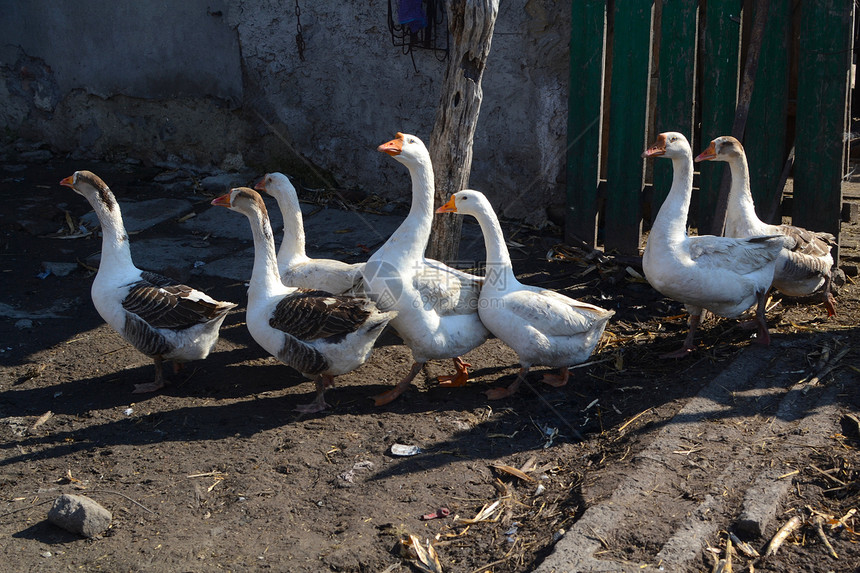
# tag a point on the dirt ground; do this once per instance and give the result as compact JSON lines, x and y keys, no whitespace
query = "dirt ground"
{"x":217,"y":473}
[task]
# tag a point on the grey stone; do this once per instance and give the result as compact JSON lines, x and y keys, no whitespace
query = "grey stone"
{"x":142,"y":215}
{"x":80,"y":515}
{"x":223,"y":182}
{"x":166,"y":256}
{"x":24,"y":324}
{"x":59,"y":269}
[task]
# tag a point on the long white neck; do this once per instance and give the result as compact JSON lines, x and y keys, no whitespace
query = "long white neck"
{"x":265,"y":279}
{"x":740,"y":210}
{"x":499,"y":272}
{"x":293,"y":244}
{"x":116,"y":253}
{"x":410,"y":239}
{"x":671,"y":222}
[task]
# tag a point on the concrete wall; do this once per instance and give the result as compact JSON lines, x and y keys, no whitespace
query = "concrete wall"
{"x":192,"y":82}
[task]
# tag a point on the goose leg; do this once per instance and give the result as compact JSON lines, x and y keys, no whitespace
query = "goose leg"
{"x":319,"y":404}
{"x":763,"y":336}
{"x":828,"y":298}
{"x":390,"y":395}
{"x":458,"y":379}
{"x":499,"y":393}
{"x":557,"y":380}
{"x":688,"y":346}
{"x":157,"y":384}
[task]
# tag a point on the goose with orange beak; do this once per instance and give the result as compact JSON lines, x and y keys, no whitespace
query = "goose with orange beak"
{"x":724,"y":275}
{"x":805,"y":262}
{"x":542,"y":326}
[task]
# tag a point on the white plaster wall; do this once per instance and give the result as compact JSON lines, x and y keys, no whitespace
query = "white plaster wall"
{"x":199,"y":79}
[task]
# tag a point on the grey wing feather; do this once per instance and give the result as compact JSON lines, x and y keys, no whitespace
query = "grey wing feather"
{"x":814,"y":244}
{"x":741,"y":255}
{"x":163,"y":303}
{"x":144,"y":337}
{"x":302,"y":356}
{"x":313,"y":314}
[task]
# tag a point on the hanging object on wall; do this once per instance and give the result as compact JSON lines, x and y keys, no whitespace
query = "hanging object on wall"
{"x":300,"y":41}
{"x":419,"y":24}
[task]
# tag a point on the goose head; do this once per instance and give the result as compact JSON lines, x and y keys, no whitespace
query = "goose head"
{"x":670,"y":144}
{"x":407,"y":149}
{"x":466,"y":202}
{"x":723,"y":148}
{"x":90,"y":186}
{"x":242,"y":199}
{"x":275,"y":184}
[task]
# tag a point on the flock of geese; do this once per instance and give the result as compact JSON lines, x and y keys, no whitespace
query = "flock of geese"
{"x":322,"y":317}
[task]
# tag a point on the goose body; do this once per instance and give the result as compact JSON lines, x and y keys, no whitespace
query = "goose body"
{"x":319,"y":334}
{"x":542,"y":326}
{"x":295,"y":267}
{"x":160,"y":317}
{"x":436,"y":305}
{"x":804,"y":264}
{"x":724,"y":275}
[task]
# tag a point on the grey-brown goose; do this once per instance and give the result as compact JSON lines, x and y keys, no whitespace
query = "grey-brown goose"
{"x":162,"y":318}
{"x":319,"y":334}
{"x":805,"y":262}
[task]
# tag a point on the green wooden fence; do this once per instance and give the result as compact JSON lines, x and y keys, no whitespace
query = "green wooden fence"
{"x":694,"y":53}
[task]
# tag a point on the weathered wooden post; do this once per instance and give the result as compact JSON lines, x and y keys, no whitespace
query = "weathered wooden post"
{"x":471,"y":24}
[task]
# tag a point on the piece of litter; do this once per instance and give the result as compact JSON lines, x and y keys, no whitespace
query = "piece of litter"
{"x":439,"y":513}
{"x":540,"y":489}
{"x":128,"y":411}
{"x":404,"y":450}
{"x":198,"y":264}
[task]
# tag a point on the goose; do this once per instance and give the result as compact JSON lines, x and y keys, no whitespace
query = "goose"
{"x":319,"y":334}
{"x":724,"y":275}
{"x":437,"y":306}
{"x":804,"y":265}
{"x":160,"y":317}
{"x":541,"y":326}
{"x":295,"y":267}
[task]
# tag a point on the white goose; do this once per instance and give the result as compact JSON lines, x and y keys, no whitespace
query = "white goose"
{"x":437,"y":305}
{"x":160,"y":317}
{"x":295,"y":267}
{"x":726,"y":276}
{"x":804,"y":263}
{"x":317,"y":333}
{"x":542,"y":326}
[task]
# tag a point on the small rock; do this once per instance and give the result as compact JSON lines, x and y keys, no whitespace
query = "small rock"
{"x":233,"y":162}
{"x":59,"y":269}
{"x":80,"y":515}
{"x":36,"y":156}
{"x":24,"y":324}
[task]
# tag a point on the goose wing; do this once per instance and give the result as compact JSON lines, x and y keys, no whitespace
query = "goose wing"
{"x":314,"y":314}
{"x":164,"y":303}
{"x":554,"y":314}
{"x":741,"y":256}
{"x":813,"y":244}
{"x":445,"y":290}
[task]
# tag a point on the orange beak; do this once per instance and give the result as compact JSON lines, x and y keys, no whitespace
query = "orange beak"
{"x":223,"y":201}
{"x":657,"y":148}
{"x":449,"y":207}
{"x":393,"y":147}
{"x":708,"y":154}
{"x":261,"y":184}
{"x":68,"y":181}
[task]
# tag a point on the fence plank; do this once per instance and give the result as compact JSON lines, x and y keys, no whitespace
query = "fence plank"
{"x":824,"y":62}
{"x":764,"y":139}
{"x":720,"y":73}
{"x":585,"y":101}
{"x":676,"y":85}
{"x":631,"y":63}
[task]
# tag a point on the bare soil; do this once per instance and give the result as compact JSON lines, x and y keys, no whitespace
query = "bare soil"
{"x":218,"y":473}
